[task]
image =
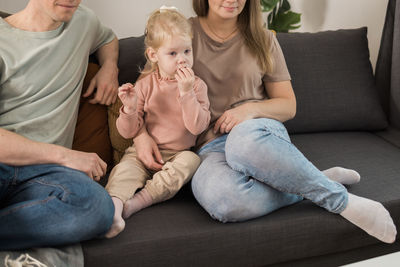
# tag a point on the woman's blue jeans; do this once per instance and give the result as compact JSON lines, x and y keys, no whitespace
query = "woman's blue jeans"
{"x":255,"y":169}
{"x":50,"y":205}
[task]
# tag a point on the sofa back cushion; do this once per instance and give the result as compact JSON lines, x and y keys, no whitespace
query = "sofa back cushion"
{"x":333,"y":81}
{"x":131,"y":61}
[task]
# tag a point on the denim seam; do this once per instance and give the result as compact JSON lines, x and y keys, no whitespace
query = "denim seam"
{"x":342,"y":206}
{"x":67,"y":193}
{"x":30,"y":204}
{"x":14,"y":178}
{"x":272,"y":133}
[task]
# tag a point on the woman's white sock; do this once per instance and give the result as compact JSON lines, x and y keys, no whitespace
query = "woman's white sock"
{"x":371,"y":216}
{"x":342,"y":175}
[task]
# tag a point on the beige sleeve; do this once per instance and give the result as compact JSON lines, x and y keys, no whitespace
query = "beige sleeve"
{"x":279,"y":71}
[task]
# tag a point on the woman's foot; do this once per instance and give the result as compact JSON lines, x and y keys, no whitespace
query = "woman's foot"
{"x":118,"y":224}
{"x":342,"y":175}
{"x":370,"y":216}
{"x":140,"y":200}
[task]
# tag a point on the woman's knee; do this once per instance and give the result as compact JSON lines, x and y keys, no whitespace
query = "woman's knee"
{"x":252,"y":140}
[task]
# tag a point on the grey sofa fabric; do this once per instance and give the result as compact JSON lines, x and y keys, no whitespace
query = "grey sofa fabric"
{"x":333,"y":81}
{"x":130,"y":66}
{"x":179,"y":232}
{"x":3,"y":14}
{"x":388,"y":64}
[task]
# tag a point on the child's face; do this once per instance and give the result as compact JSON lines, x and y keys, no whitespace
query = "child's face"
{"x":174,"y":53}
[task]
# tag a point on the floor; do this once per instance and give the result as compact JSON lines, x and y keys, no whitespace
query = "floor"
{"x":389,"y":260}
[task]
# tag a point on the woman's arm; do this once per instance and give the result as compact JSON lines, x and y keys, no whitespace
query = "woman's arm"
{"x":280,"y":106}
{"x":147,"y":150}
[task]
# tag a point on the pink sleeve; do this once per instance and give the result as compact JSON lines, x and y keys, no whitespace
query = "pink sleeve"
{"x":128,"y":125}
{"x":195,"y":108}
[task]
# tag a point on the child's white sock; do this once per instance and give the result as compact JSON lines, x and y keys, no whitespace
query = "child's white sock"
{"x":370,"y":216}
{"x":342,"y":175}
{"x":118,"y":224}
{"x":139,"y":201}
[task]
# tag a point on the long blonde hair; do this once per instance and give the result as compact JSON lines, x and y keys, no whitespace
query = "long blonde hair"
{"x":162,"y":25}
{"x":251,"y":27}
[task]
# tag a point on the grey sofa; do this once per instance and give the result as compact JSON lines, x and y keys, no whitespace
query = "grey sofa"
{"x":345,"y":117}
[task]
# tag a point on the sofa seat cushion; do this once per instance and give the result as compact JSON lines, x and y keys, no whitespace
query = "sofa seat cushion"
{"x":179,"y":232}
{"x":333,"y":81}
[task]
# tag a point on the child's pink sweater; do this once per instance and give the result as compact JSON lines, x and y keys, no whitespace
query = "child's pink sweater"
{"x":173,"y":121}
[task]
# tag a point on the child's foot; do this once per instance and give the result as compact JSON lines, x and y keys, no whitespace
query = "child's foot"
{"x":118,"y":224}
{"x":139,"y":201}
{"x":342,"y":175}
{"x":370,"y":216}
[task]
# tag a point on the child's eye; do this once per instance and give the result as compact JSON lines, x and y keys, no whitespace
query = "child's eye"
{"x":172,"y":53}
{"x":187,"y":51}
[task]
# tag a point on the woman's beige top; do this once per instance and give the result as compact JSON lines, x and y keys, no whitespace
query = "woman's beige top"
{"x":232,"y":74}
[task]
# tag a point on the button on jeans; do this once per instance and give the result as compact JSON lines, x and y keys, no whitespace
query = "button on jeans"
{"x":49,"y":205}
{"x":255,"y":169}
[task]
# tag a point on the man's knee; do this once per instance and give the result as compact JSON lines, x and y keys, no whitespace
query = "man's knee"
{"x":90,"y":206}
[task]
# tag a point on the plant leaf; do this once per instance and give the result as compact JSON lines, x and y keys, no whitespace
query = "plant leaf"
{"x":284,"y":22}
{"x":268,"y":5}
{"x":285,"y":6}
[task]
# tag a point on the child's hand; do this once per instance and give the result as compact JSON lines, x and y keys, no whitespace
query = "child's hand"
{"x":185,"y":78}
{"x":127,"y":94}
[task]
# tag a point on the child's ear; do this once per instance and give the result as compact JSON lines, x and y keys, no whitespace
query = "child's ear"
{"x":152,"y":54}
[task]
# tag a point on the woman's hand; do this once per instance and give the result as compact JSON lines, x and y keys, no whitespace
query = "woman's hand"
{"x":232,"y":117}
{"x":147,"y":151}
{"x":127,"y":94}
{"x":185,"y":77}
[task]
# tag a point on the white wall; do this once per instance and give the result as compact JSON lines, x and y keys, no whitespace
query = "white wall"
{"x":128,"y":17}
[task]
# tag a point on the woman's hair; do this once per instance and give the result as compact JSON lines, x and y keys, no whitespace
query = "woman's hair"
{"x":251,"y":27}
{"x":163,"y":24}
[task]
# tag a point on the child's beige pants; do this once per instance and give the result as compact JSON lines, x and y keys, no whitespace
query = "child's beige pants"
{"x":130,"y":174}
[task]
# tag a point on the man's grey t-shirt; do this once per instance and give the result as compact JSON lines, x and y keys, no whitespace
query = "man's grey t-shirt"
{"x":41,"y":76}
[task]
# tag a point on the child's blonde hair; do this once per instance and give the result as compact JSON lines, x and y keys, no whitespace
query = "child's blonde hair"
{"x":163,"y":24}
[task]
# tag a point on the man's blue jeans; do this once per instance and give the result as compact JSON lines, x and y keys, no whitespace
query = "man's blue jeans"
{"x":255,"y":169}
{"x":50,"y":205}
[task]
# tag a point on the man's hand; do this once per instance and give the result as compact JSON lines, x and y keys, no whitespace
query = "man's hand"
{"x":127,"y":94}
{"x":106,"y":83}
{"x":147,"y":151}
{"x":185,"y":77}
{"x":89,"y":163}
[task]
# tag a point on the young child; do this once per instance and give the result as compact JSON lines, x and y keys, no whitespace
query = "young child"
{"x":172,"y":103}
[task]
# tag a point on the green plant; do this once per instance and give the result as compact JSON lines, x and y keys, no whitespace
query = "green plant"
{"x":280,"y":18}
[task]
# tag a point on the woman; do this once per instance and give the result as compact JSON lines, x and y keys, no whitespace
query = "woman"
{"x":249,"y":166}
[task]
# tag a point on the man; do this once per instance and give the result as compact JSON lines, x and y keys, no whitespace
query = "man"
{"x":47,"y":194}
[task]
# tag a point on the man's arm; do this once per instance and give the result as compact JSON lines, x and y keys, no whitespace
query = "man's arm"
{"x":17,"y":150}
{"x":106,"y":79}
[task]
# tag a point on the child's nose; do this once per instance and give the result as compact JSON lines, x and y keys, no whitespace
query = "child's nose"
{"x":181,"y":60}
